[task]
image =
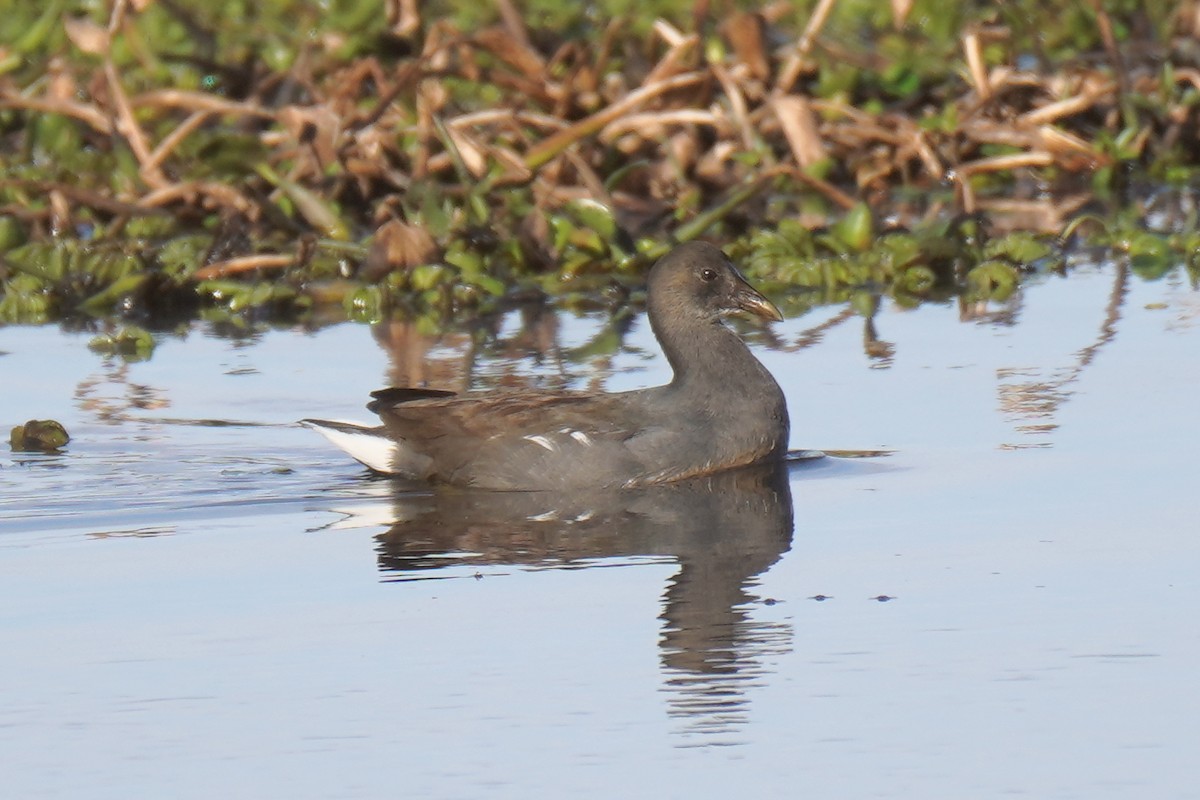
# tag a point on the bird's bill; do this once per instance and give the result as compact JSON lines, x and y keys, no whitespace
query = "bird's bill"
{"x":751,"y":301}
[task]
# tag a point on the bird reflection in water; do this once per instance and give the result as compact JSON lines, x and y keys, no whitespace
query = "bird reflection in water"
{"x":723,"y":530}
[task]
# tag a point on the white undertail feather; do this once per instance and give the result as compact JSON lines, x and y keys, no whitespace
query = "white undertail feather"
{"x":371,"y":447}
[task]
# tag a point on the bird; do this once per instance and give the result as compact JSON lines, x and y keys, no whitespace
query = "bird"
{"x":722,"y":409}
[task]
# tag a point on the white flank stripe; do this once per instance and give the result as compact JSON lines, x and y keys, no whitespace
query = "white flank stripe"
{"x":542,"y":441}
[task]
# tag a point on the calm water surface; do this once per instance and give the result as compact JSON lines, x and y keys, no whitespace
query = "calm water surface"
{"x":199,"y":599}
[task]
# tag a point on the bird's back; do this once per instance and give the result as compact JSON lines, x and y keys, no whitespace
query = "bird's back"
{"x":565,"y":440}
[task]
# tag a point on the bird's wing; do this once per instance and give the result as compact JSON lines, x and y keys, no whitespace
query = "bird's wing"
{"x":523,"y":438}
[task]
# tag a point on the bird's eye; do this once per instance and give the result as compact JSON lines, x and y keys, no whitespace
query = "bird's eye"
{"x":708,"y":274}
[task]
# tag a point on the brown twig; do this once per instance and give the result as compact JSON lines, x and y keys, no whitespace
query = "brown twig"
{"x":236,"y":266}
{"x":225,"y":195}
{"x":831,"y":192}
{"x":1065,"y":108}
{"x":198,"y":101}
{"x":126,"y":124}
{"x":795,"y":63}
{"x":176,"y":137}
{"x":89,"y":115}
{"x":799,"y":124}
{"x":737,"y":105}
{"x":547,"y":149}
{"x":975,"y":65}
{"x":1005,"y":163}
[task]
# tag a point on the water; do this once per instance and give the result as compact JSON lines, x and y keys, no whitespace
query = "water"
{"x":1002,"y":602}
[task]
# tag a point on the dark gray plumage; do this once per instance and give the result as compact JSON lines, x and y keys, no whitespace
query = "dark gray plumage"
{"x":721,"y":410}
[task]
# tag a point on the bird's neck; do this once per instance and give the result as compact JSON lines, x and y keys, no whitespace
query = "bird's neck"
{"x":704,"y":352}
{"x":717,"y":378}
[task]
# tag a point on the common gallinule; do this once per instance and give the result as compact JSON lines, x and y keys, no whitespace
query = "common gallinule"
{"x":721,"y":410}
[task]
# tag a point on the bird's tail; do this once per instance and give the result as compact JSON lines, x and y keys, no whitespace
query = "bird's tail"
{"x":370,"y":446}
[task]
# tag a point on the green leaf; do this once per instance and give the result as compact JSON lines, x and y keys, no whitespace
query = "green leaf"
{"x":596,"y":216}
{"x":106,"y":298}
{"x":1021,"y":247}
{"x":856,"y":229}
{"x":994,"y":280}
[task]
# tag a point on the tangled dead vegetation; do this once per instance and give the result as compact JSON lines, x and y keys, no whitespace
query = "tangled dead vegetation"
{"x":454,"y":161}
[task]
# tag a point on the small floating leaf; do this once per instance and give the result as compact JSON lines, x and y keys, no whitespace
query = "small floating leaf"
{"x":39,"y":436}
{"x":1021,"y":247}
{"x":131,"y":344}
{"x":993,"y":279}
{"x":917,"y":279}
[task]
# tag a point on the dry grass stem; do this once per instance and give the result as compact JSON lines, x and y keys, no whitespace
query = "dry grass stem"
{"x":540,"y":154}
{"x":506,"y":116}
{"x":198,"y":101}
{"x":176,"y":137}
{"x":234,"y":266}
{"x":673,"y":61}
{"x":976,"y":67}
{"x":827,"y":189}
{"x":191,"y":191}
{"x":1004,"y":163}
{"x":455,"y":130}
{"x":795,"y":63}
{"x":737,"y":105}
{"x":799,"y":125}
{"x":1068,"y":107}
{"x":128,"y":127}
{"x":670,"y":34}
{"x":90,"y":115}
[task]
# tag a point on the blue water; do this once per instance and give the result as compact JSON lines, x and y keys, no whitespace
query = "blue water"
{"x":199,"y":610}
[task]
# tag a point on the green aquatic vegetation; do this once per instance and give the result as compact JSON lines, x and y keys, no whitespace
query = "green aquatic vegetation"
{"x":220,"y":154}
{"x":991,"y":280}
{"x":935,"y":259}
{"x":242,"y":158}
{"x":264,"y":297}
{"x":129,"y":343}
{"x":588,"y":238}
{"x":27,"y":301}
{"x":179,"y":257}
{"x":1151,"y":254}
{"x":1020,"y":247}
{"x":592,"y":253}
{"x":856,"y":230}
{"x":39,"y":436}
{"x":65,"y":276}
{"x":12,"y":234}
